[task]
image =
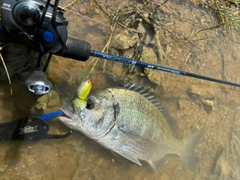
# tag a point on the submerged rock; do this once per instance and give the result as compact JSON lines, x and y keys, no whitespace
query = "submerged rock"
{"x":206,"y":97}
{"x":123,"y":42}
{"x":49,"y":102}
{"x":149,"y":56}
{"x":32,"y":104}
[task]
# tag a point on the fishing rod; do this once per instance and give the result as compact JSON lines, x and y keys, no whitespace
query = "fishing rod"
{"x":30,"y":23}
{"x":157,"y":67}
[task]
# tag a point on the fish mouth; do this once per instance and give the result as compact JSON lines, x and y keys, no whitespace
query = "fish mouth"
{"x":72,"y":124}
{"x":70,"y":116}
{"x":68,"y":111}
{"x":65,"y":120}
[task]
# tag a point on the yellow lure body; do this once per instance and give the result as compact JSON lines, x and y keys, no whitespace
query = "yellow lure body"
{"x":82,"y":92}
{"x":84,"y":89}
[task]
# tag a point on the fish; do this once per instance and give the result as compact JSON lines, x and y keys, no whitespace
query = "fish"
{"x":82,"y":92}
{"x":132,"y":123}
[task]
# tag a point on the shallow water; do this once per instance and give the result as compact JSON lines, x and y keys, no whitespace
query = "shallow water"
{"x":192,"y":102}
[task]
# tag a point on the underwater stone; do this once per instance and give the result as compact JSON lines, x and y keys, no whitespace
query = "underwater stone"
{"x":124,"y":42}
{"x":206,"y":97}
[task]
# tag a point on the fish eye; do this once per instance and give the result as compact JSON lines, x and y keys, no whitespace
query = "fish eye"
{"x":90,"y":104}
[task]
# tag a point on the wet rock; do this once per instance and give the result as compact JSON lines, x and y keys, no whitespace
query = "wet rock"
{"x":184,"y":103}
{"x":42,"y":102}
{"x":208,"y":94}
{"x":149,"y":56}
{"x":206,"y":97}
{"x":49,"y":102}
{"x":208,"y":104}
{"x":123,"y":41}
{"x":32,"y":104}
{"x":195,"y":91}
{"x":168,"y":49}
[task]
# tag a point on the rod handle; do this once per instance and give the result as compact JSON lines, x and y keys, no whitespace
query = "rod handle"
{"x":76,"y":49}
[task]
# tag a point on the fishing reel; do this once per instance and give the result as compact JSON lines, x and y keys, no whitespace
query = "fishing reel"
{"x":31,"y":21}
{"x":41,"y":26}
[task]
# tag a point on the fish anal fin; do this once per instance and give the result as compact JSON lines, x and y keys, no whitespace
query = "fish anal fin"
{"x":130,"y":158}
{"x":119,"y":158}
{"x":156,"y":165}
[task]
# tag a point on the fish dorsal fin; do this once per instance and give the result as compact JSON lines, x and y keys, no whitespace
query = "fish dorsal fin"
{"x":170,"y":120}
{"x":152,"y":98}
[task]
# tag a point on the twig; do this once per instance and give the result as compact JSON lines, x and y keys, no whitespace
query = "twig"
{"x":130,"y":29}
{"x":105,"y":49}
{"x":158,"y":44}
{"x":209,"y":28}
{"x":70,"y":4}
{"x":100,"y":7}
{"x":186,"y":60}
{"x":5,"y":67}
{"x":160,"y":52}
{"x":159,"y":5}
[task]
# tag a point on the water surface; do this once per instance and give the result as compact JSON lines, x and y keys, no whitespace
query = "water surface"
{"x":192,"y":102}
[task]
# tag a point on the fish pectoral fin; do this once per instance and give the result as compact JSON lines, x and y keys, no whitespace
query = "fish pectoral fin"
{"x":131,"y":158}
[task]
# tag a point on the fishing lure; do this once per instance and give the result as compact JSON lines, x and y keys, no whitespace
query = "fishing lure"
{"x":82,"y":92}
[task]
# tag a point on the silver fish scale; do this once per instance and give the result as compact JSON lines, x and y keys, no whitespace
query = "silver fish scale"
{"x":139,"y":117}
{"x":140,"y":128}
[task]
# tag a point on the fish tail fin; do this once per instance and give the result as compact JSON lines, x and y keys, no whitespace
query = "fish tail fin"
{"x":190,"y":143}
